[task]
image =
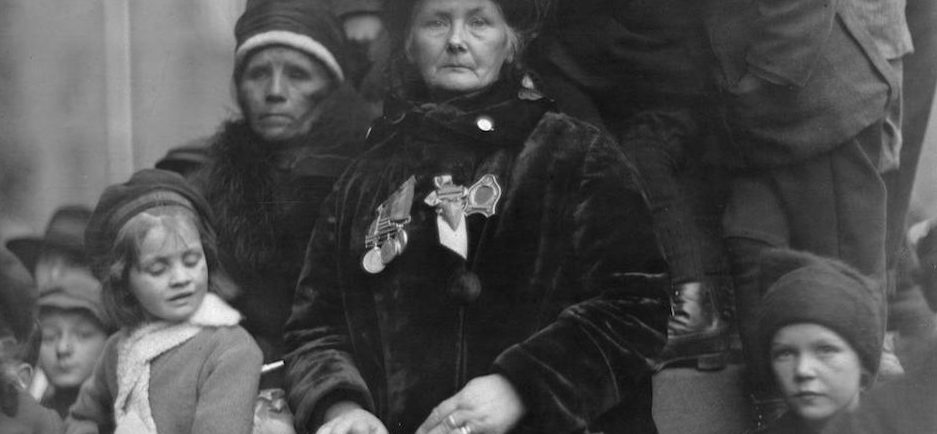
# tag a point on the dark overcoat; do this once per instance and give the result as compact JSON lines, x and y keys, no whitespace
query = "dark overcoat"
{"x":568,"y":310}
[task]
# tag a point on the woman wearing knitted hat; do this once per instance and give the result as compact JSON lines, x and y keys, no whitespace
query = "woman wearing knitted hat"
{"x":488,"y":266}
{"x":820,"y":330}
{"x":302,"y":123}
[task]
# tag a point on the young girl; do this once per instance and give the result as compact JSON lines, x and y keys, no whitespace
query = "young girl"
{"x":180,"y":362}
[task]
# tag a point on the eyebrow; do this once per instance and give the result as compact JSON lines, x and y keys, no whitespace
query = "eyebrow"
{"x":438,"y":12}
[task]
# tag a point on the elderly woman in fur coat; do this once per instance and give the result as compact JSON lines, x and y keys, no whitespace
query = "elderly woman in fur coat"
{"x":489,"y":265}
{"x":268,"y":172}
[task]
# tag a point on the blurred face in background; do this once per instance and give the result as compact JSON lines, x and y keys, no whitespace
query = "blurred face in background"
{"x":818,"y":372}
{"x":72,"y":340}
{"x":459,"y":46}
{"x":280,"y":90}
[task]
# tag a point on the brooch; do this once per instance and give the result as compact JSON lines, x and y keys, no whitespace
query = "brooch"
{"x":454,"y":202}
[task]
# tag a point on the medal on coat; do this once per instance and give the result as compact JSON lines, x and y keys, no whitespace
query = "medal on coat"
{"x":387,"y":238}
{"x":454,"y":202}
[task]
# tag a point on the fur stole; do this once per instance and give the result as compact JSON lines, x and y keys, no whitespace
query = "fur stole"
{"x":135,"y":353}
{"x":245,"y":183}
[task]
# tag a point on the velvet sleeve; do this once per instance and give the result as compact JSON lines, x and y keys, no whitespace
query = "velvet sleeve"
{"x":93,"y":410}
{"x":790,"y":38}
{"x":320,"y":369}
{"x":228,"y":384}
{"x":596,"y":352}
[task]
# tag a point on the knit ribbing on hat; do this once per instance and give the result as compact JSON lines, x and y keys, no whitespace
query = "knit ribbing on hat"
{"x":822,"y":294}
{"x":293,"y":40}
{"x":125,"y":212}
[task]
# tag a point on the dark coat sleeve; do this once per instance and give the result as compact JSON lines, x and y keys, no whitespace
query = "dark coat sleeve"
{"x":320,"y":367}
{"x":597,"y":351}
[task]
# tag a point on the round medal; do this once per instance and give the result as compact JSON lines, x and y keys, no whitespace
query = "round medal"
{"x":371,"y":261}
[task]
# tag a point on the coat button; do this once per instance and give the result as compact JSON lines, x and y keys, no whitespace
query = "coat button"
{"x":465,"y":287}
{"x":485,"y":123}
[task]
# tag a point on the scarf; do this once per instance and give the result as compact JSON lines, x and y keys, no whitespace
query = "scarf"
{"x":135,"y":354}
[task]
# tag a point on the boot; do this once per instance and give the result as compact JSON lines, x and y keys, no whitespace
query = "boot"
{"x":696,"y":330}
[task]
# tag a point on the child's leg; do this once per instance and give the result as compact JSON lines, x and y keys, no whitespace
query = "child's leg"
{"x":754,"y":221}
{"x":658,"y":140}
{"x":836,"y":204}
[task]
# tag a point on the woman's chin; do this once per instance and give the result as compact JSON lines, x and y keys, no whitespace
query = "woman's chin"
{"x":275,"y":134}
{"x":457,"y":84}
{"x":816,"y":413}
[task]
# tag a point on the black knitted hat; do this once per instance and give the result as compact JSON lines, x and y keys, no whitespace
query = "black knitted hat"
{"x":305,"y":25}
{"x":119,"y":203}
{"x":805,"y":288}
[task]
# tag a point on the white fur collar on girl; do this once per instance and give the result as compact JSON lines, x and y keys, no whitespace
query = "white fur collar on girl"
{"x":142,"y":345}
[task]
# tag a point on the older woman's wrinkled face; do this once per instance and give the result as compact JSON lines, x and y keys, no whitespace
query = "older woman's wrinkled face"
{"x":459,"y":45}
{"x":818,"y":372}
{"x":279,"y":92}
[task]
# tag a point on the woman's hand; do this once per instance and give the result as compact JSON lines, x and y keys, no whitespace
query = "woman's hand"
{"x":349,"y":418}
{"x":486,"y":405}
{"x":362,"y":28}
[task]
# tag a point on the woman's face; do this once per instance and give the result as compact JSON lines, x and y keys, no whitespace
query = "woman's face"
{"x":171,"y":279}
{"x":459,"y":45}
{"x":279,"y":92}
{"x":818,"y":372}
{"x":72,"y":340}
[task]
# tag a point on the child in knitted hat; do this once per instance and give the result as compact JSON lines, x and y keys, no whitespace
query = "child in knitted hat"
{"x":180,"y":362}
{"x":820,"y":332}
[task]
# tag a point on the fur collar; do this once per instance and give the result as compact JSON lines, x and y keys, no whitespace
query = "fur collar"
{"x":242,"y":184}
{"x":135,"y":354}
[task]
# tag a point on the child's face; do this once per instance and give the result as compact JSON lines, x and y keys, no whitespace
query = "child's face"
{"x":819,"y":372}
{"x":72,"y":340}
{"x":171,"y":278}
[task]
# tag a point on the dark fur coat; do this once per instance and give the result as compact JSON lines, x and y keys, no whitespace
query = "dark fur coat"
{"x":266,"y":199}
{"x":558,"y":313}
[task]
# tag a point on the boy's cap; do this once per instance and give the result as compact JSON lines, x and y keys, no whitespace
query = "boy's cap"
{"x":75,"y":289}
{"x":148,"y":188}
{"x":66,"y":231}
